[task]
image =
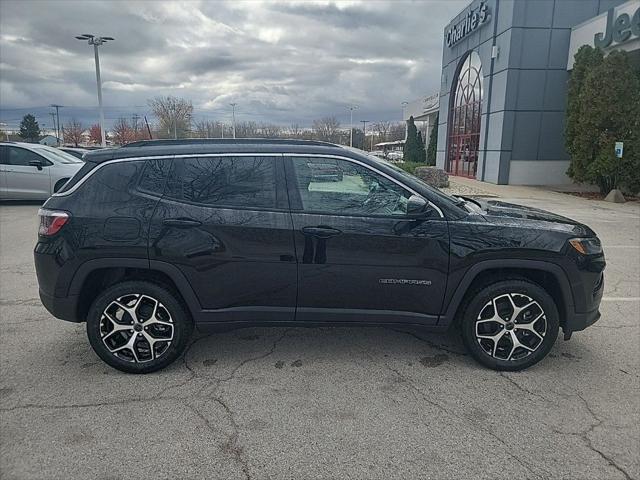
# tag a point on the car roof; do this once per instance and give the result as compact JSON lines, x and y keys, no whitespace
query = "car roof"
{"x":147,"y":148}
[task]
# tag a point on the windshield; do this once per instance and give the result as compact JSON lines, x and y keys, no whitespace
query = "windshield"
{"x":56,"y":155}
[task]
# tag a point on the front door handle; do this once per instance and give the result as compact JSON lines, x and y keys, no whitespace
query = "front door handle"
{"x":321,"y":231}
{"x":181,"y":222}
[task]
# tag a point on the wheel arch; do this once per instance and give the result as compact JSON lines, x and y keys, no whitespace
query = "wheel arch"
{"x":549,"y":276}
{"x":95,"y":275}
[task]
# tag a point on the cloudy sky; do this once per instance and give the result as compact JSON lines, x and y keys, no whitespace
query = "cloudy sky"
{"x":281,"y":62}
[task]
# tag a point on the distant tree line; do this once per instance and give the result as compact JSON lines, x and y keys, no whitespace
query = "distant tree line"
{"x":173,"y":117}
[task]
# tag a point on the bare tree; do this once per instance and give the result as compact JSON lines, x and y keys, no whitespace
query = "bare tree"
{"x":94,"y":134}
{"x":396,"y":132}
{"x":123,"y":133}
{"x":174,"y":115}
{"x":294,"y":130}
{"x":204,"y":129}
{"x":383,"y":129}
{"x":327,"y":129}
{"x":270,"y":130}
{"x":247,"y":129}
{"x":72,"y":132}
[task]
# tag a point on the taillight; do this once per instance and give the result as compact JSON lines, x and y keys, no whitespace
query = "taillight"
{"x":51,"y":221}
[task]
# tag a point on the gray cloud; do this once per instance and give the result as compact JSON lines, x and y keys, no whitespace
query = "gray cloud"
{"x":281,"y":62}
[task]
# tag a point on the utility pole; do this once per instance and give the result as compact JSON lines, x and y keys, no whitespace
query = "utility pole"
{"x":351,"y":109}
{"x":96,"y":42}
{"x":233,"y":117}
{"x":53,"y":123}
{"x":134,"y":124}
{"x":364,"y":132}
{"x":56,"y":124}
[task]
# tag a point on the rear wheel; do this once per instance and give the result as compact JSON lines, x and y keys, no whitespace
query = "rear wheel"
{"x":138,"y":327}
{"x":510,"y":324}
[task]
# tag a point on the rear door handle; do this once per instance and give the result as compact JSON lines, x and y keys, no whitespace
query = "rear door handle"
{"x":321,"y":231}
{"x":181,"y":222}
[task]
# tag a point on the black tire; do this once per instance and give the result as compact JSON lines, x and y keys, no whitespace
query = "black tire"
{"x":59,"y":184}
{"x":482,"y":349}
{"x":168,"y":318}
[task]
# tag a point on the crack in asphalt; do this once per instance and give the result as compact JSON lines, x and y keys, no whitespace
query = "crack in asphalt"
{"x":253,"y":359}
{"x":429,"y":342}
{"x":445,"y":410}
{"x":584,"y":436}
{"x":231,"y":446}
{"x":524,"y":389}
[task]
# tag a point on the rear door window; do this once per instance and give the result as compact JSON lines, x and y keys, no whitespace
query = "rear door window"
{"x":234,"y":182}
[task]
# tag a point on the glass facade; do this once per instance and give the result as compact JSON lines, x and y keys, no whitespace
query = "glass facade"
{"x":464,"y":127}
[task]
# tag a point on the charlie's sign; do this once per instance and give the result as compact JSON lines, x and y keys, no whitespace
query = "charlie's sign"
{"x":474,"y":18}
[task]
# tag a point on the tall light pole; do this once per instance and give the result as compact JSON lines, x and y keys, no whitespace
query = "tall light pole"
{"x":233,"y":117}
{"x":406,"y":126}
{"x":96,"y":42}
{"x":364,"y":133}
{"x":351,"y":109}
{"x":56,"y":124}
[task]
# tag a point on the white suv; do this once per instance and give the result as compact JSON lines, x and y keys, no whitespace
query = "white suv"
{"x":30,"y":171}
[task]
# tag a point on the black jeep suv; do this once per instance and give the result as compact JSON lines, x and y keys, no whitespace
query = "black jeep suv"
{"x":148,"y":240}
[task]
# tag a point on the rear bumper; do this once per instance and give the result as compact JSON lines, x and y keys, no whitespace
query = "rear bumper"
{"x":64,"y":308}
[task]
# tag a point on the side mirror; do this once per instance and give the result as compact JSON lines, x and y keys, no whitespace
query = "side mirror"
{"x":36,"y":163}
{"x":416,"y":206}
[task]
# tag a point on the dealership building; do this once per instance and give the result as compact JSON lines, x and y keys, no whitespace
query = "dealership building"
{"x":505,"y":66}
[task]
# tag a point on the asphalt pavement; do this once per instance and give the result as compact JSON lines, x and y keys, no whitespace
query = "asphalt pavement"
{"x":343,"y":403}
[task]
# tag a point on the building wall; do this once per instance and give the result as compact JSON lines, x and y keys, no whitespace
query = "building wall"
{"x":524,"y":89}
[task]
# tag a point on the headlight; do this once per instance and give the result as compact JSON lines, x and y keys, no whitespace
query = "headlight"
{"x":586,"y":246}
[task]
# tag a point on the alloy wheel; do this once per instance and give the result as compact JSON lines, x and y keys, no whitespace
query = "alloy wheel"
{"x":511,"y":326}
{"x":136,"y":328}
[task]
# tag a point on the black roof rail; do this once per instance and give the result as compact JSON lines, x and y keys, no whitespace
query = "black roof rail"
{"x":226,"y":141}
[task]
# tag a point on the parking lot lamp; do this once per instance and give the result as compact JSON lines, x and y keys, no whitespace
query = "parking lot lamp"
{"x":352,"y":108}
{"x":233,"y":117}
{"x":96,"y":42}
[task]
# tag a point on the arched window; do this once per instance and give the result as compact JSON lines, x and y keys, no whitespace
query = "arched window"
{"x":464,"y":118}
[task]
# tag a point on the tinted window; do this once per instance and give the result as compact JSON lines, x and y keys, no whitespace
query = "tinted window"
{"x":22,"y":156}
{"x":343,"y":187}
{"x":154,"y":176}
{"x":247,"y":182}
{"x":56,"y":155}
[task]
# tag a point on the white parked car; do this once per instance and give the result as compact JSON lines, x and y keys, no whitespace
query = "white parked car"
{"x":30,"y":171}
{"x":395,"y":155}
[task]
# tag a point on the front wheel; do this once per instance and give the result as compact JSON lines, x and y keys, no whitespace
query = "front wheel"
{"x":510,"y":324}
{"x":138,"y":327}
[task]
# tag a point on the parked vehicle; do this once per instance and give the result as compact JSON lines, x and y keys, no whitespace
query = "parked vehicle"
{"x":30,"y":171}
{"x":148,"y":240}
{"x":76,"y":152}
{"x":395,"y":156}
{"x":325,"y":172}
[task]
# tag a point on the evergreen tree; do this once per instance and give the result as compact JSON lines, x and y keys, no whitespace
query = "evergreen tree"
{"x":433,"y":143}
{"x":29,"y":128}
{"x":413,"y":148}
{"x":607,"y":109}
{"x":586,"y":59}
{"x":423,"y":150}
